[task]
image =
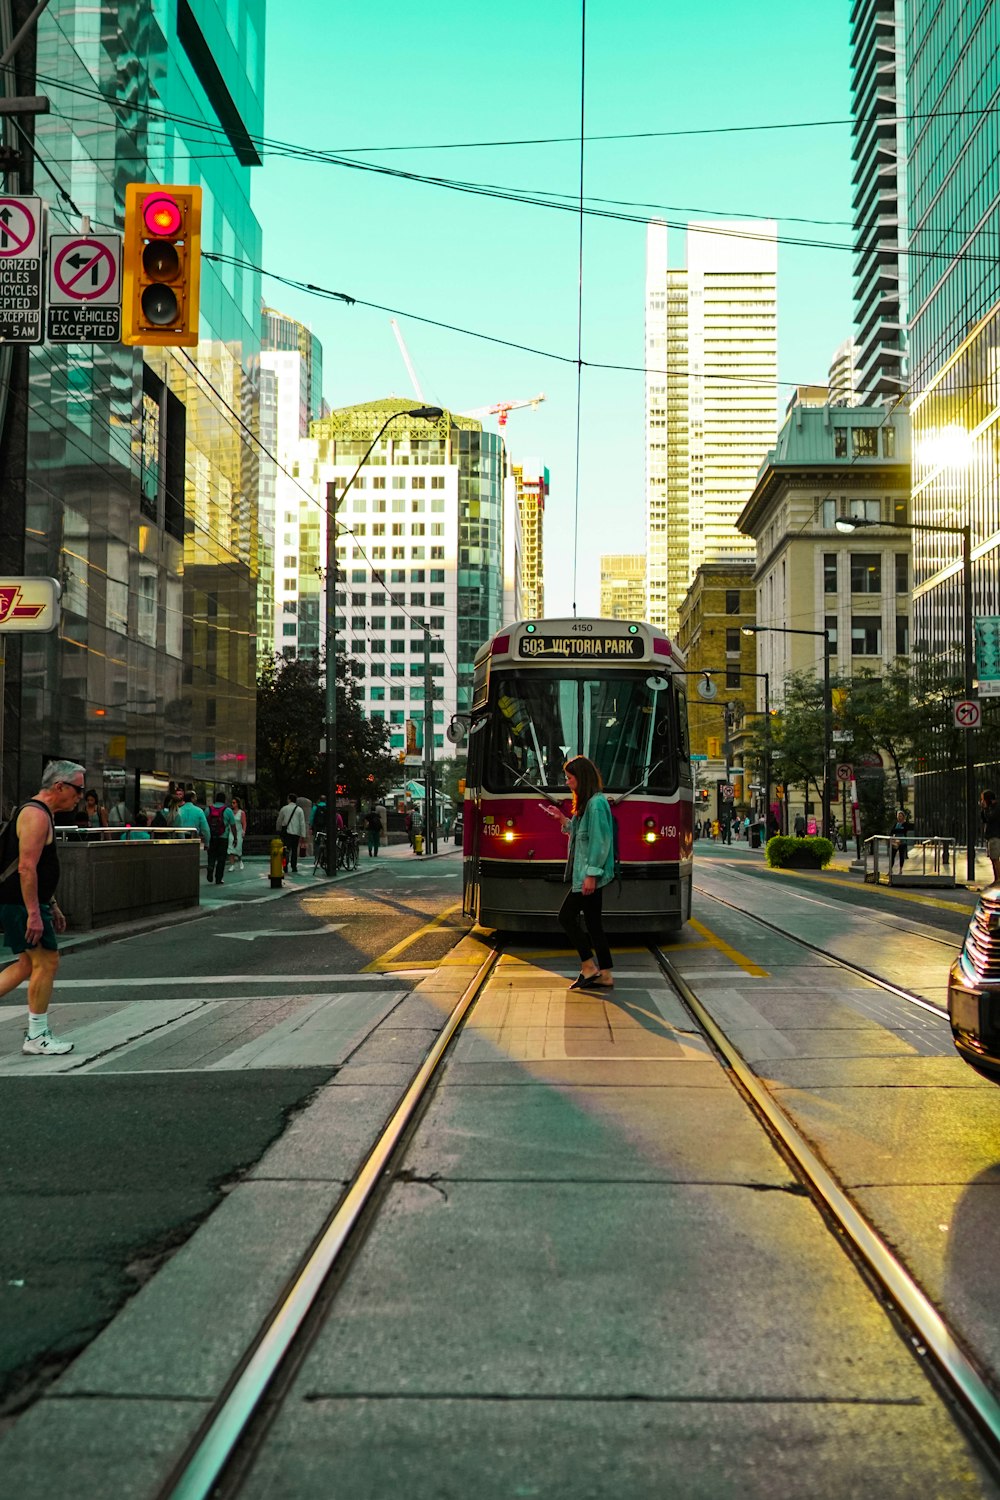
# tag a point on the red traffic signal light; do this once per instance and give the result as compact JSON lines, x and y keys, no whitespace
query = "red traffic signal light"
{"x":161,"y":264}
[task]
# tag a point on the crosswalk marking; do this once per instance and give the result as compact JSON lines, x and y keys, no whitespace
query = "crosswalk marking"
{"x":200,"y":1034}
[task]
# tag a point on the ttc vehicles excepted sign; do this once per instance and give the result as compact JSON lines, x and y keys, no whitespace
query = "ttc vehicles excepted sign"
{"x":84,"y":302}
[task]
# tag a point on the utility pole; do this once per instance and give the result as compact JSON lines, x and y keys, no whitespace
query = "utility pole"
{"x":430,"y":795}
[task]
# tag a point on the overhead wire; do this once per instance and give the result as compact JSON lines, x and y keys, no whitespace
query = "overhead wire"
{"x":579,"y":301}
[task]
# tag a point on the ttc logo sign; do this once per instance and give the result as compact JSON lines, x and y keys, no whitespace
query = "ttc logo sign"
{"x":29,"y":604}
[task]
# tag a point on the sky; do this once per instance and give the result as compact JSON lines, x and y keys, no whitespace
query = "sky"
{"x":434,"y":86}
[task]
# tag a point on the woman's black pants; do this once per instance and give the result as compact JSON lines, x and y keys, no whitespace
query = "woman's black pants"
{"x":577,"y":908}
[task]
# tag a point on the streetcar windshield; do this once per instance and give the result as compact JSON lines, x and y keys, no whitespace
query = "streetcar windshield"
{"x":625,"y":725}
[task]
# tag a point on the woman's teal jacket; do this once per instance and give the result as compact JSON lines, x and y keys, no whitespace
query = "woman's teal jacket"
{"x":592,"y":844}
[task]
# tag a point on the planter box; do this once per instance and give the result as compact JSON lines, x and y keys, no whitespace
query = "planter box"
{"x":801,"y":860}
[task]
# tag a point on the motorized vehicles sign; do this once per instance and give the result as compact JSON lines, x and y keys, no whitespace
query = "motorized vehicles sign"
{"x":20,"y":270}
{"x":84,"y":301}
{"x":967,"y":713}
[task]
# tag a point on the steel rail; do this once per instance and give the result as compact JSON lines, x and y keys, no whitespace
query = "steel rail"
{"x":202,"y":1465}
{"x":960,"y":1373}
{"x":845,"y":963}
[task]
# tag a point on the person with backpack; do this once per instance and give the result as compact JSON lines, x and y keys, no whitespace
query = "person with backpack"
{"x":119,"y":814}
{"x":221,"y":823}
{"x":590,"y":867}
{"x":373,"y":830}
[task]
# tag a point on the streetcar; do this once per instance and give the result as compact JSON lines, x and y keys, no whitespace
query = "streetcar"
{"x":544,"y":691}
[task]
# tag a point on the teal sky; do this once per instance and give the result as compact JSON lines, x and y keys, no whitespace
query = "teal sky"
{"x":349,"y":80}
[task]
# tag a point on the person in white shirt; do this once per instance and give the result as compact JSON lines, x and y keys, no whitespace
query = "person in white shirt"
{"x":292,"y":827}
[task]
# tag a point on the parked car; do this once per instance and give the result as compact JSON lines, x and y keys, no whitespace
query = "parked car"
{"x":974,"y":989}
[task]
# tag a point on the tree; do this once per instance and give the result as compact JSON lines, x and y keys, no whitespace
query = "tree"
{"x":291,"y":708}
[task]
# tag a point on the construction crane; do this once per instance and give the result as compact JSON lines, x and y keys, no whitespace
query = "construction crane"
{"x":408,"y":362}
{"x":501,"y":409}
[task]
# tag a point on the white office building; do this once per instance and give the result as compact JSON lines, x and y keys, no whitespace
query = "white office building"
{"x":711,"y":384}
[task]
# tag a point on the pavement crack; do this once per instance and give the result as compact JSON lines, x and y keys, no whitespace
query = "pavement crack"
{"x":431,"y":1180}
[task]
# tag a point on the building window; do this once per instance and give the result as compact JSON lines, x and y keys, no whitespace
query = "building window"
{"x":358,"y":622}
{"x":866,"y":635}
{"x":437,"y":576}
{"x":732,"y":677}
{"x":399,"y":481}
{"x":378,"y":646}
{"x":864,"y":442}
{"x":398,"y":622}
{"x":378,"y":694}
{"x":865,"y":510}
{"x":732,"y":601}
{"x":417,"y":599}
{"x":397,"y":715}
{"x":418,"y":482}
{"x":829,"y":572}
{"x":437,"y":601}
{"x":398,"y":555}
{"x":397,"y":669}
{"x":418,"y":529}
{"x":902,"y":635}
{"x":437,"y":482}
{"x":733,"y":641}
{"x":397,"y":694}
{"x":901,"y":512}
{"x":888,"y":442}
{"x":437,"y":554}
{"x":378,"y":483}
{"x":902,"y":573}
{"x":840,"y":442}
{"x":866,"y":573}
{"x":829,"y":514}
{"x":378,"y":622}
{"x":398,"y":529}
{"x":830,"y":626}
{"x":417,"y":553}
{"x":287,"y":629}
{"x":416,"y":574}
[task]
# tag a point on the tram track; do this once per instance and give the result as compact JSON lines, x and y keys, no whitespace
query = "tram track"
{"x":849,"y":965}
{"x":930,"y":1334}
{"x":224,"y":1447}
{"x":223,"y":1453}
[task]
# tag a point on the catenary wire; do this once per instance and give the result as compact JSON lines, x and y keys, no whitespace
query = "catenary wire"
{"x":579,"y":301}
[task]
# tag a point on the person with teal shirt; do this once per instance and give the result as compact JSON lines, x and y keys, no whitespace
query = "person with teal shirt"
{"x":591,"y":866}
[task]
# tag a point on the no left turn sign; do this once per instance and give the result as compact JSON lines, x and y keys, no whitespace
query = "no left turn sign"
{"x":845,"y":773}
{"x":968,"y":713}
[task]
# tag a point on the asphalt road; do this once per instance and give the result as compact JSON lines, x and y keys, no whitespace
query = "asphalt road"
{"x":195,"y":1044}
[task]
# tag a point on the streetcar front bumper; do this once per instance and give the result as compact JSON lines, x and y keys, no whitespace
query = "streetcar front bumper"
{"x":974,"y":989}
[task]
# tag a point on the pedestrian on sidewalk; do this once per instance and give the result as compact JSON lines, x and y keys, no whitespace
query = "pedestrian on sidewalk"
{"x":897,"y":838}
{"x":119,"y":814}
{"x":29,"y":913}
{"x":591,"y":866}
{"x":221,"y":826}
{"x":95,"y":814}
{"x":373,"y":830}
{"x":292,"y":827}
{"x":237,"y":834}
{"x":190,"y":815}
{"x":989,"y":810}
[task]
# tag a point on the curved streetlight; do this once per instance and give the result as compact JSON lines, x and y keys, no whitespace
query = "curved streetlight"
{"x":333,"y":503}
{"x":827,"y":702}
{"x":847,"y":524}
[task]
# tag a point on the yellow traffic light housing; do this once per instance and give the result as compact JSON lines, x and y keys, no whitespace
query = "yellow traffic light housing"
{"x":161,"y":264}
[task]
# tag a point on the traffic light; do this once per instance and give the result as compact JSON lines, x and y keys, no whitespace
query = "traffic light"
{"x":161,"y":264}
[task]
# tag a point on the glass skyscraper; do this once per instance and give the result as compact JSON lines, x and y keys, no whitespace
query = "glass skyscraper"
{"x":130,"y":474}
{"x":953,"y":78}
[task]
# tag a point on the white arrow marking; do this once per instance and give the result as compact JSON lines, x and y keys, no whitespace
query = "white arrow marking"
{"x":266,"y":932}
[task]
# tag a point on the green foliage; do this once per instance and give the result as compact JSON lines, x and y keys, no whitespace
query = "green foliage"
{"x":291,"y":706}
{"x":449,"y":774}
{"x":781,"y":851}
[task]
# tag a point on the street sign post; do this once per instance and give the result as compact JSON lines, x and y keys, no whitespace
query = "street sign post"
{"x":967,"y":713}
{"x":85,"y":293}
{"x":20,"y":270}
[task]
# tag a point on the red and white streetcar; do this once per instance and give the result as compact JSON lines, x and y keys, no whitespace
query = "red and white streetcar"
{"x":544,"y":691}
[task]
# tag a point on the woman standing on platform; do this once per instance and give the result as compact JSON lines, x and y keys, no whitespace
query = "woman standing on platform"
{"x":591,"y":866}
{"x":93,"y":814}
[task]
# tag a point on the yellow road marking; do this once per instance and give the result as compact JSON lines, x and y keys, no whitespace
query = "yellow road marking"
{"x":731,"y":953}
{"x":894,"y":890}
{"x":384,"y":960}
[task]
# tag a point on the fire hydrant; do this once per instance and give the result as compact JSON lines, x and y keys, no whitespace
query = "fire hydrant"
{"x":418,"y":843}
{"x":277,"y":861}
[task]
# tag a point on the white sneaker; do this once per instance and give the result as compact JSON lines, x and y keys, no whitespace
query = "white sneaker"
{"x":45,"y":1045}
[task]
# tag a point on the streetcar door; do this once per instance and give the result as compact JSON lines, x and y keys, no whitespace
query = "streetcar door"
{"x":472,"y":817}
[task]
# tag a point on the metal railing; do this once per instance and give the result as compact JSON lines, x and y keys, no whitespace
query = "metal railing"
{"x":909,"y":861}
{"x":117,"y":833}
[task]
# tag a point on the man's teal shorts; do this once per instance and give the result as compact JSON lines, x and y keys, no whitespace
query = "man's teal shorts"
{"x":14,"y":920}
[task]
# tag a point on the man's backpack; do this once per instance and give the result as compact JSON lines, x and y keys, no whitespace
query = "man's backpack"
{"x":373,"y":821}
{"x":216,"y":821}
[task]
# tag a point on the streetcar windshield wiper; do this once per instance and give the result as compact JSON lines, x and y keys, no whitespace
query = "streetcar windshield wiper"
{"x":521,"y":778}
{"x":640,"y":784}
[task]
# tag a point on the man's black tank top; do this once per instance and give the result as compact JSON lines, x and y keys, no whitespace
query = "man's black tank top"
{"x":48,"y":862}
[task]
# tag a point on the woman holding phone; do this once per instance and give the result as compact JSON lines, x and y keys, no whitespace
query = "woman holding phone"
{"x":591,"y":866}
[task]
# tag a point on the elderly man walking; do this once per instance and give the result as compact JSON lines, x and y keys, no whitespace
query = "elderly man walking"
{"x":29,"y":913}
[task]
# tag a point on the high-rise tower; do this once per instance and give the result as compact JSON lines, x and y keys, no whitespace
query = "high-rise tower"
{"x":881,"y":277}
{"x":711,"y":362}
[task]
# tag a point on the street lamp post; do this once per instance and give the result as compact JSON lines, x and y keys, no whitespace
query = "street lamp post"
{"x":827,"y":705}
{"x":333,"y":503}
{"x":854,"y":523}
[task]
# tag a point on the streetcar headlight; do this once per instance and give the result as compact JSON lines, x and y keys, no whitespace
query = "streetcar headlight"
{"x":649,"y":830}
{"x":508,"y":832}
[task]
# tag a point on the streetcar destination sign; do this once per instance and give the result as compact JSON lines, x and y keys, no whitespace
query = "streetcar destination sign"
{"x":591,"y":647}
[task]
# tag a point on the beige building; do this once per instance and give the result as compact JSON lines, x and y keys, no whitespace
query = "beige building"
{"x":711,"y":373}
{"x":623,"y":586}
{"x":531,"y":481}
{"x":809,"y":577}
{"x":718,"y":604}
